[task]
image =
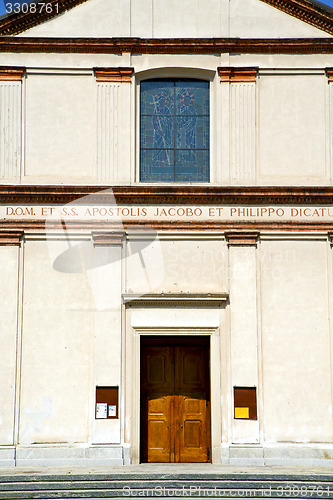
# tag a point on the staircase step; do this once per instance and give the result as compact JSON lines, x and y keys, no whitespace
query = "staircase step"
{"x":164,"y":484}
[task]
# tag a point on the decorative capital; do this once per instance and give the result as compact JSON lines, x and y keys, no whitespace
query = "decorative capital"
{"x":242,"y":238}
{"x":10,"y":238}
{"x":108,"y":238}
{"x":329,"y":73}
{"x":244,"y":75}
{"x":11,"y":73}
{"x":330,"y":238}
{"x":113,"y":74}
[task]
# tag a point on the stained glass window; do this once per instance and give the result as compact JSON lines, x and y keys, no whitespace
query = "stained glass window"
{"x":174,"y":131}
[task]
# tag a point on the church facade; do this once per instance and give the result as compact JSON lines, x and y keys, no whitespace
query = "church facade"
{"x":166,"y":232}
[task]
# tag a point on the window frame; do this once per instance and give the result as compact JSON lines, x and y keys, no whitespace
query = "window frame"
{"x":165,"y":73}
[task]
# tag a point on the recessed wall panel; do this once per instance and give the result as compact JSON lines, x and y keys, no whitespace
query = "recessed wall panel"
{"x":295,"y":342}
{"x":292,"y":123}
{"x":59,"y":127}
{"x":56,"y":352}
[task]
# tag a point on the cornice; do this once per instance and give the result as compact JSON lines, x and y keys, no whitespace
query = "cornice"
{"x":242,"y":238}
{"x":10,"y":238}
{"x":238,"y":75}
{"x":204,"y":226}
{"x":11,"y":73}
{"x":20,"y":22}
{"x":175,"y":300}
{"x":113,"y":74}
{"x":167,"y":45}
{"x":108,"y":238}
{"x":306,"y":11}
{"x":164,"y":195}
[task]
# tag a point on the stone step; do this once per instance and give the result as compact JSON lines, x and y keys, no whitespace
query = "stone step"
{"x":165,"y":485}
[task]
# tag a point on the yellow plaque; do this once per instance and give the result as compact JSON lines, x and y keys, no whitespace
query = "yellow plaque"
{"x":242,"y":412}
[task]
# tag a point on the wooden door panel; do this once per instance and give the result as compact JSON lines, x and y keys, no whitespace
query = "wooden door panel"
{"x":194,"y":436}
{"x":159,"y":428}
{"x":157,"y":369}
{"x":191,"y":369}
{"x":175,"y":414}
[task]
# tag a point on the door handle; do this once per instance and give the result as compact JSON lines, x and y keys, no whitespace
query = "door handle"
{"x":181,"y":426}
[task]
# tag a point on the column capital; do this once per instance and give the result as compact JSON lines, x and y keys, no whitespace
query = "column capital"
{"x":244,"y":75}
{"x":330,"y":238}
{"x":329,"y":73}
{"x":10,"y":238}
{"x":108,"y":238}
{"x":11,"y":73}
{"x":113,"y":74}
{"x":242,"y":238}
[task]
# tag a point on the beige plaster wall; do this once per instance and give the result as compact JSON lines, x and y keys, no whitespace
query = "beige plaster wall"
{"x":292,"y":128}
{"x":9,"y":256}
{"x":297,"y":401}
{"x":167,"y":18}
{"x":271,"y":132}
{"x":56,"y":391}
{"x":142,"y":18}
{"x":177,"y":266}
{"x":59,"y":127}
{"x":255,"y":19}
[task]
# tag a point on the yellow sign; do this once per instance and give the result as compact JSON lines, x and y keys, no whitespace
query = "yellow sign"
{"x":242,"y":412}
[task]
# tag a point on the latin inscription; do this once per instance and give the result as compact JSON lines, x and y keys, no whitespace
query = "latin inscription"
{"x":165,"y":213}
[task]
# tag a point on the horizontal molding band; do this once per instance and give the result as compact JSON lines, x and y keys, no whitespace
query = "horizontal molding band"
{"x":166,"y":195}
{"x":301,"y":9}
{"x":167,"y":45}
{"x":39,"y":225}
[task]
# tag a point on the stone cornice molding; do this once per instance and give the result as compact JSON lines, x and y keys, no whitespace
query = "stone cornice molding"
{"x":175,"y":300}
{"x":20,"y":22}
{"x":11,"y":73}
{"x":238,"y":75}
{"x":108,"y":238}
{"x":167,"y":194}
{"x":166,"y":45}
{"x":10,"y":238}
{"x":191,"y":226}
{"x":113,"y":74}
{"x":304,"y":10}
{"x":242,"y":238}
{"x":329,"y":73}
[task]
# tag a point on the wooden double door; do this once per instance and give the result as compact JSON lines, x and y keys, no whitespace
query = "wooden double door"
{"x":175,"y":399}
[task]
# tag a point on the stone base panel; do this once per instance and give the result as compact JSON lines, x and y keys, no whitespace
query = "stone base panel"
{"x":244,"y":455}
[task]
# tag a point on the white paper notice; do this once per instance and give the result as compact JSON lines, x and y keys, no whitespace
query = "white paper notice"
{"x":101,"y":410}
{"x":112,"y":410}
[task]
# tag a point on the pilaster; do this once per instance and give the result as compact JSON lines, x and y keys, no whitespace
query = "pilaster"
{"x":243,"y":324}
{"x":10,"y":122}
{"x":329,"y":74}
{"x":242,"y":120}
{"x":113,"y":123}
{"x":106,"y":280}
{"x":11,"y":269}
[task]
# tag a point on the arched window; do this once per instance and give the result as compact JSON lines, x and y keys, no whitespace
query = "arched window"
{"x":174,"y":130}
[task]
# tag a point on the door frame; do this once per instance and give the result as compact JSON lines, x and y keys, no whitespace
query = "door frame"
{"x":131,"y":357}
{"x":177,"y":341}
